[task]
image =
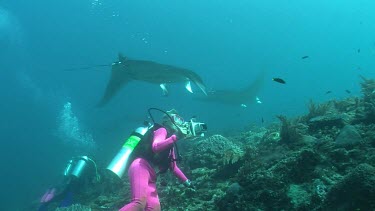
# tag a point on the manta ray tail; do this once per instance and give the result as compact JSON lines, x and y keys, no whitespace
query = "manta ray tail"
{"x":256,"y":86}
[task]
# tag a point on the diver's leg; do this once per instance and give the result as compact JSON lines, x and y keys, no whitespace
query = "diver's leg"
{"x":153,"y":203}
{"x":139,"y":177}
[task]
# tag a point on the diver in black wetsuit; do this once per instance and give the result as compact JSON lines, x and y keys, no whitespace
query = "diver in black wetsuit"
{"x":75,"y":174}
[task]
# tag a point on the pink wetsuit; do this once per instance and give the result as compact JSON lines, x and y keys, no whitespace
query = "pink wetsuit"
{"x":143,"y":177}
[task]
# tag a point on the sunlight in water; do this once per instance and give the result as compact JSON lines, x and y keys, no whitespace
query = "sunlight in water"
{"x":10,"y":28}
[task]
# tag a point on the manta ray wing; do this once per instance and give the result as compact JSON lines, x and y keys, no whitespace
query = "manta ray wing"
{"x":153,"y":72}
{"x":126,"y":70}
{"x":118,"y":79}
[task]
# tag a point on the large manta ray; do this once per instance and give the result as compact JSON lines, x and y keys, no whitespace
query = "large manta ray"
{"x":126,"y":70}
{"x":236,"y":97}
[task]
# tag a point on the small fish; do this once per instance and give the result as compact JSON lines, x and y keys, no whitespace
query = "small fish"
{"x":304,"y":57}
{"x":262,"y":120}
{"x":279,"y":80}
{"x":359,"y":50}
{"x":328,"y":92}
{"x":348,"y":91}
{"x":258,"y":100}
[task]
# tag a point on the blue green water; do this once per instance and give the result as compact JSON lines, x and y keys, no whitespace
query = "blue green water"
{"x":226,"y":42}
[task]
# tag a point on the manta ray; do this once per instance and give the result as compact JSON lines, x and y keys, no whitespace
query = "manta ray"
{"x":127,"y":70}
{"x":241,"y":97}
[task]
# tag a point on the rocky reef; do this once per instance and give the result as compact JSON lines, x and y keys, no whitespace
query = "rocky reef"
{"x":324,"y":160}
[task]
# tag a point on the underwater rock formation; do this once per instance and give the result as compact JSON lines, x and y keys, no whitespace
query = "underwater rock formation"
{"x":356,"y":191}
{"x":328,"y":121}
{"x":348,"y":136}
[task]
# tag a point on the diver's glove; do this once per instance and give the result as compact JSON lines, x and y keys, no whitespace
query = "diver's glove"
{"x":48,"y":196}
{"x":189,"y":185}
{"x":189,"y":191}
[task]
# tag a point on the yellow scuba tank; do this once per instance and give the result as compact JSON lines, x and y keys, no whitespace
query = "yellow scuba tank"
{"x":119,"y":163}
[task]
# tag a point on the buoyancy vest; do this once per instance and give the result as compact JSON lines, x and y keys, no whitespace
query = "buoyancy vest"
{"x":144,"y":150}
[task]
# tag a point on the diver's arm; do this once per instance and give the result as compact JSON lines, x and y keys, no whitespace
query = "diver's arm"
{"x":177,"y":171}
{"x":54,"y":194}
{"x":62,"y":189}
{"x":160,"y":142}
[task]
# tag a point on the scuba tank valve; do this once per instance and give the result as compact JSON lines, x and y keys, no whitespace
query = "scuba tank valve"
{"x":120,"y":162}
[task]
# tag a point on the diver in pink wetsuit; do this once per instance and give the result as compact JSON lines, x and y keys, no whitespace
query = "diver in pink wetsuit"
{"x":158,"y":151}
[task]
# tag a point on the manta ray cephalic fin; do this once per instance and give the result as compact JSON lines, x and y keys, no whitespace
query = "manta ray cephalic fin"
{"x":164,"y":89}
{"x":188,"y":87}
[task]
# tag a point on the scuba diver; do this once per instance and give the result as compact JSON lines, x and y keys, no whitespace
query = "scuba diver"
{"x":150,"y":146}
{"x":76,"y":173}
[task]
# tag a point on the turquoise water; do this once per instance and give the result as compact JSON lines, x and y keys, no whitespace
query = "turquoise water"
{"x":49,"y":115}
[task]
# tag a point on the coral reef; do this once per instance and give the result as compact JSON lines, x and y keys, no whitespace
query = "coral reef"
{"x":214,"y":152}
{"x":74,"y":207}
{"x":321,"y":161}
{"x":366,"y":111}
{"x":356,"y":191}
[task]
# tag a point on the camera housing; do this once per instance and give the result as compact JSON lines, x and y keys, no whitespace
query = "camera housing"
{"x":197,"y":128}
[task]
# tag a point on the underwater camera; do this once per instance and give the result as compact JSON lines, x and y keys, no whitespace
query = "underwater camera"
{"x":197,"y":128}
